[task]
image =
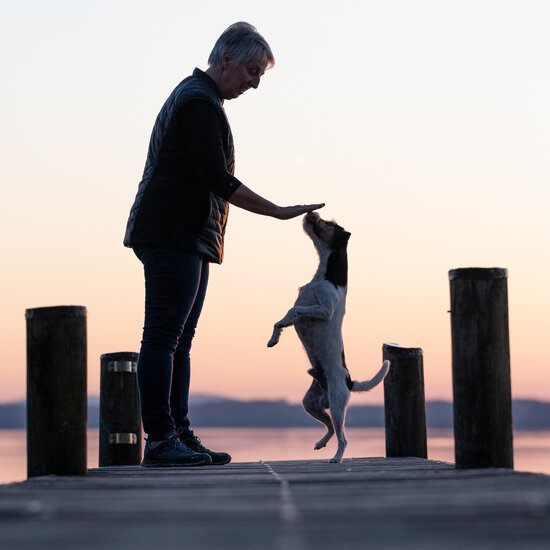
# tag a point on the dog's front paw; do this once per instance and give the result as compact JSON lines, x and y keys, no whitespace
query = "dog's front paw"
{"x":274,"y":340}
{"x":335,"y":460}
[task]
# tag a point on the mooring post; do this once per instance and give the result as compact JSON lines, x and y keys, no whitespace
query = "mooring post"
{"x":404,"y":402}
{"x":481,"y":368}
{"x":119,"y":410}
{"x":56,"y":391}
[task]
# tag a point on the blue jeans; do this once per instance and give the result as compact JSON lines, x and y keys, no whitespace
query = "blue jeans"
{"x":175,"y":286}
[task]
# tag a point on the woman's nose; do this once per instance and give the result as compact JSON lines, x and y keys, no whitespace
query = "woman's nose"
{"x":255,"y":82}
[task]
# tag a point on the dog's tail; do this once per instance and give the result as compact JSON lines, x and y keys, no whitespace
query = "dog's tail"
{"x":367,"y":385}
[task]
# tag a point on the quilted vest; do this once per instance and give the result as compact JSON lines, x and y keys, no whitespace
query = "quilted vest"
{"x":207,"y":240}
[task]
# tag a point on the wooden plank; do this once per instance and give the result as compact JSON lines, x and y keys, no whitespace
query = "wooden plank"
{"x":379,"y":503}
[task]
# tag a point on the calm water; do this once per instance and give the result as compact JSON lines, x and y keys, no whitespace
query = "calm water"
{"x":531,"y":449}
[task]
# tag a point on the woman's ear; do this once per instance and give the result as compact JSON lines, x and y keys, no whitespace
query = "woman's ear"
{"x":226,"y":59}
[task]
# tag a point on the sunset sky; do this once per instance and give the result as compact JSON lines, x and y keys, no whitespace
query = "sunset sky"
{"x":423,"y":124}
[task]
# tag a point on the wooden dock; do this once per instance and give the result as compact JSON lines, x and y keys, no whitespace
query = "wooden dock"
{"x":291,"y":505}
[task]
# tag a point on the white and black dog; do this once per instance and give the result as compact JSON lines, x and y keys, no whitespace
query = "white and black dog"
{"x":317,"y":316}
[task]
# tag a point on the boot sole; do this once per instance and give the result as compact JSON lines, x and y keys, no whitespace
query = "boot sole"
{"x":219,"y":463}
{"x":174,"y":464}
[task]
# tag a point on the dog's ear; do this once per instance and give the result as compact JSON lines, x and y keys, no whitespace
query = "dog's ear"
{"x":341,"y":239}
{"x":337,"y":267}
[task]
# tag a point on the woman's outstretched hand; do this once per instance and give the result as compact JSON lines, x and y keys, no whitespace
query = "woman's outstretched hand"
{"x":245,"y":198}
{"x":288,"y":212}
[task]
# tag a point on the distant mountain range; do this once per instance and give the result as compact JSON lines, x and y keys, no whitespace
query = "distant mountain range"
{"x":213,"y":411}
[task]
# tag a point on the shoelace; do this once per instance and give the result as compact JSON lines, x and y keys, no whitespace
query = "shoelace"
{"x":196,"y":438}
{"x":190,"y":435}
{"x":201,"y":448}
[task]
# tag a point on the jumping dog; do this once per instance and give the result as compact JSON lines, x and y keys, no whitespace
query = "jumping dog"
{"x":317,"y":316}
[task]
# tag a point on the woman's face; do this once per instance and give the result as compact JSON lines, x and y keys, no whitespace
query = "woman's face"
{"x":237,"y":78}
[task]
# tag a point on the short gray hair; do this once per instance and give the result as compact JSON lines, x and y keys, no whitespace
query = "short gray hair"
{"x":244,"y":43}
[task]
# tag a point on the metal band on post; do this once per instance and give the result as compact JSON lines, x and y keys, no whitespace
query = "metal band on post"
{"x":122,"y":366}
{"x":123,"y":439}
{"x":119,"y":411}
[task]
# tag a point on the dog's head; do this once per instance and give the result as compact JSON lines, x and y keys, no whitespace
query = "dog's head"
{"x":326,"y":235}
{"x":331,"y":241}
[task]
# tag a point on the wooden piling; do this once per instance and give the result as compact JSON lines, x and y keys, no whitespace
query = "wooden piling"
{"x":56,"y":391}
{"x":481,"y":368}
{"x":404,"y":402}
{"x":119,"y":410}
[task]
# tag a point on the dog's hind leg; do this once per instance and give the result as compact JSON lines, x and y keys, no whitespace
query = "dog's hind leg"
{"x":338,"y":403}
{"x":315,"y":403}
{"x":330,"y":432}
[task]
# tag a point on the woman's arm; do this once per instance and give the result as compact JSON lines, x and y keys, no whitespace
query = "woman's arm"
{"x":200,"y":123}
{"x":243,"y":197}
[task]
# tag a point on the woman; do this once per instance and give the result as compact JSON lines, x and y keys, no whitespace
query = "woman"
{"x":176,"y":228}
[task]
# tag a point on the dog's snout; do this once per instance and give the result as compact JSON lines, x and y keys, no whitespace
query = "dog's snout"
{"x":311,"y":217}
